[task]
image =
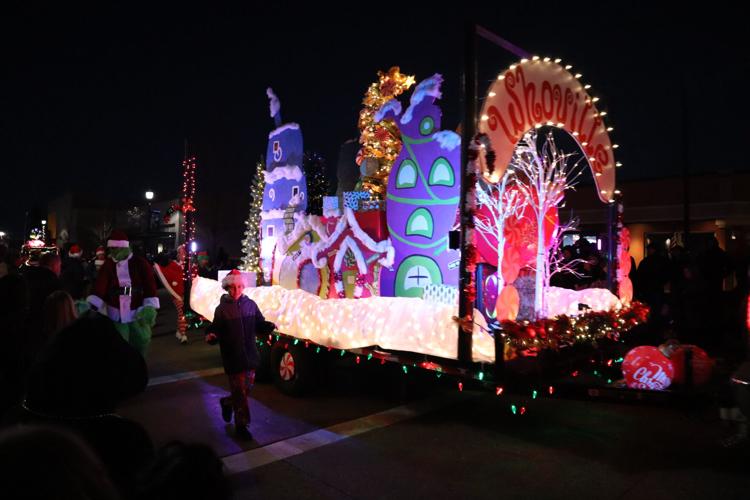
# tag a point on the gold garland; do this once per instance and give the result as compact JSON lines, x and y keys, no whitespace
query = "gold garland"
{"x":382,"y":140}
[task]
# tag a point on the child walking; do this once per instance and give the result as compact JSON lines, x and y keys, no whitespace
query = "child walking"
{"x":237,"y":319}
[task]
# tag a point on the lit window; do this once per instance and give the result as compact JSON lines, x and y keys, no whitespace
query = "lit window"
{"x":269,"y":231}
{"x":441,"y":173}
{"x":420,"y":223}
{"x":407,"y":175}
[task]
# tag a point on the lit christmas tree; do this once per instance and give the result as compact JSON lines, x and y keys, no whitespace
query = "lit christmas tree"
{"x":251,"y":242}
{"x":318,"y":184}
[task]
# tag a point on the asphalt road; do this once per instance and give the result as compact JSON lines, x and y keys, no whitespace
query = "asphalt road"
{"x":375,"y":432}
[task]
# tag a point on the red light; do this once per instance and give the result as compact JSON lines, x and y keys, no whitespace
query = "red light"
{"x":575,"y":373}
{"x":498,"y":391}
{"x":460,"y":387}
{"x":357,"y":359}
{"x":551,"y":390}
{"x":523,"y":410}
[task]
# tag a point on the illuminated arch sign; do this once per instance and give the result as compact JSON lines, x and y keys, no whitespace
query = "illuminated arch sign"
{"x":538,"y":92}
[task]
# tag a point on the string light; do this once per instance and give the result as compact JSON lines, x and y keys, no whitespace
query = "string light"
{"x":380,"y":141}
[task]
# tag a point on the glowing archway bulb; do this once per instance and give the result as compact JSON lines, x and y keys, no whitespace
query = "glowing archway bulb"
{"x":492,"y":94}
{"x":615,"y":146}
{"x":512,"y":67}
{"x":536,"y":58}
{"x":603,"y":113}
{"x":568,"y":67}
{"x":537,"y":125}
{"x":485,"y":118}
{"x":617,"y":191}
{"x":587,"y":86}
{"x":524,"y":60}
{"x":618,"y":164}
{"x":575,"y":133}
{"x":610,"y":129}
{"x":558,"y":60}
{"x":501,"y":77}
{"x":578,"y":76}
{"x":546,"y":59}
{"x":595,"y":99}
{"x":584,"y":144}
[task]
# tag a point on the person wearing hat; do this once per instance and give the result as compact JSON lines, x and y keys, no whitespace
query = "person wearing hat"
{"x":73,"y":274}
{"x":101,"y":256}
{"x":236,"y":321}
{"x":170,"y":273}
{"x":125,"y":291}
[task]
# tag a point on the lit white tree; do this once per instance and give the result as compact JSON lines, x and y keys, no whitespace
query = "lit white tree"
{"x":501,"y":202}
{"x":544,"y":176}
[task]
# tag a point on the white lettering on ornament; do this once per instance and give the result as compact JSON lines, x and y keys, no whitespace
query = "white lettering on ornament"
{"x":654,"y":378}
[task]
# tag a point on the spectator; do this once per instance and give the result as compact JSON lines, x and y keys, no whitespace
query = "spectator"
{"x":41,"y":282}
{"x":73,"y":275}
{"x":84,"y":372}
{"x":183,"y":472}
{"x":653,"y":275}
{"x":45,"y":462}
{"x":59,"y":312}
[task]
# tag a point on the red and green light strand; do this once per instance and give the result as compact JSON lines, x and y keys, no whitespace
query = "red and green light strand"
{"x":187,"y":199}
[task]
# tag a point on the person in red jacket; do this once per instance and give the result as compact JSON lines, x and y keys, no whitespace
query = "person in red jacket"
{"x":170,"y":274}
{"x":125,"y":291}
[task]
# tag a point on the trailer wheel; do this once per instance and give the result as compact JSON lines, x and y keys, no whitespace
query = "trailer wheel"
{"x":292,"y":368}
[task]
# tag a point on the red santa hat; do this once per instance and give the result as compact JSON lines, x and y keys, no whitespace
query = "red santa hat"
{"x":234,"y":277}
{"x":100,"y":251}
{"x":75,"y":251}
{"x":118,"y":239}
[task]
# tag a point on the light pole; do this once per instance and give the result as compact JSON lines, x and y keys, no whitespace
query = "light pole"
{"x":149,"y":195}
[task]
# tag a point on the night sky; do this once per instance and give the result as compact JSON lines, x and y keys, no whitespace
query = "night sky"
{"x":101,"y":100}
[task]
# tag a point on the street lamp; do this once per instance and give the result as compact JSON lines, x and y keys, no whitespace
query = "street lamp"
{"x":149,"y":195}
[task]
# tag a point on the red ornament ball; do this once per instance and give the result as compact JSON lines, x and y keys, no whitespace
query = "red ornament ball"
{"x":646,"y":367}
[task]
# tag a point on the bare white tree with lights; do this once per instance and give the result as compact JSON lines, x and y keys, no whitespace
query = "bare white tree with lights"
{"x":501,"y":202}
{"x":544,"y":174}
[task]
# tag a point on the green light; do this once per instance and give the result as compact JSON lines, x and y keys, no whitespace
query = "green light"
{"x":439,"y":374}
{"x":342,"y":353}
{"x":513,"y":409}
{"x":369,"y":357}
{"x":295,"y":341}
{"x":619,"y":360}
{"x":533,"y":394}
{"x":480,"y":376}
{"x":405,"y":368}
{"x":317,"y":350}
{"x":609,"y":380}
{"x":278,"y":337}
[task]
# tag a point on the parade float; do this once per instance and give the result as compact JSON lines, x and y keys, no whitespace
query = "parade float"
{"x":376,"y":275}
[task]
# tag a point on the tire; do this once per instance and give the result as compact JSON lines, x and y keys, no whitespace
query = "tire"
{"x":292,"y":368}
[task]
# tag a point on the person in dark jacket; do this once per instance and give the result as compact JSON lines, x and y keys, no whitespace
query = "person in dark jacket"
{"x":74,"y":276}
{"x":236,"y":321}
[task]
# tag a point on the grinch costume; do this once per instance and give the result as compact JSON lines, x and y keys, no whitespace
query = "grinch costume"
{"x":125,"y":291}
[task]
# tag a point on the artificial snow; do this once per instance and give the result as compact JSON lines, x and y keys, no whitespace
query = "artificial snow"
{"x":292,"y":173}
{"x":393,"y":323}
{"x":392,"y":105}
{"x":447,"y":139}
{"x":428,"y":87}
{"x":286,"y":126}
